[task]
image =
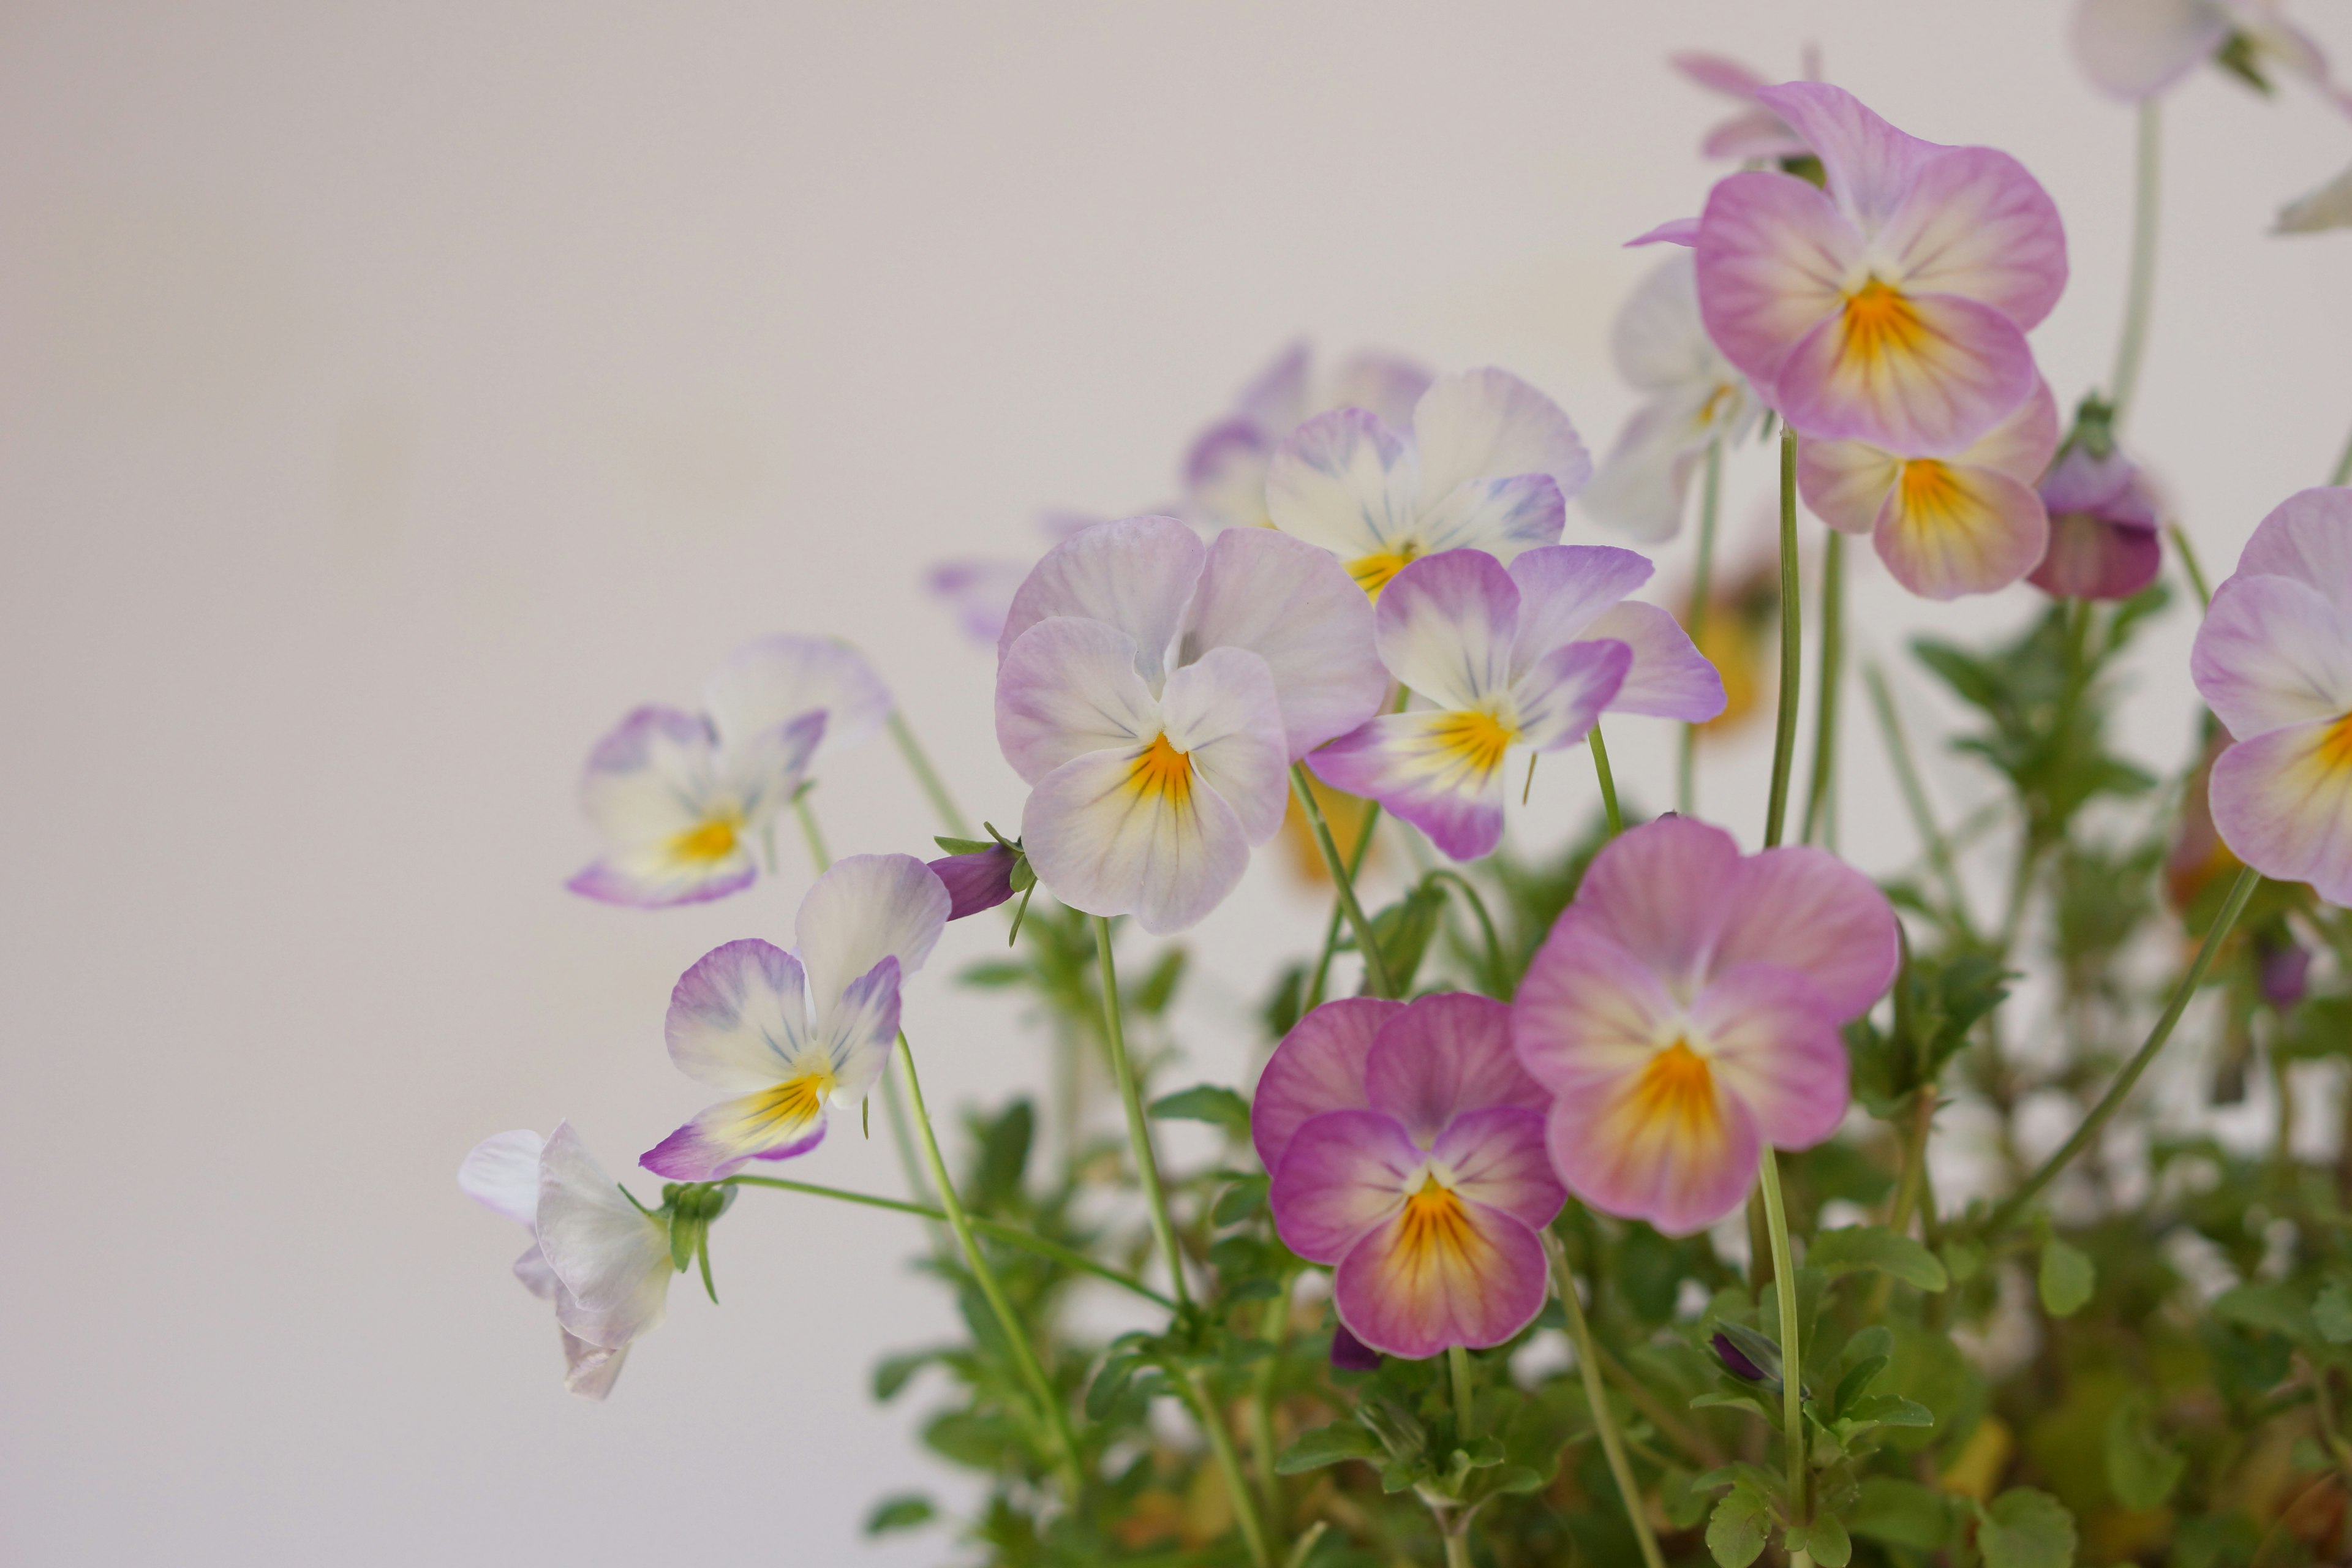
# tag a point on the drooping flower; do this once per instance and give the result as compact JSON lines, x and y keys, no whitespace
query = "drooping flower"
{"x":1892,"y":308}
{"x":1754,"y":132}
{"x":603,"y":1262}
{"x":1225,"y":469}
{"x":1970,"y":523}
{"x":2133,"y":49}
{"x":788,"y":1034}
{"x":1684,"y":1012}
{"x":1524,"y":656}
{"x":1405,"y":1145}
{"x":1691,"y":397}
{"x":1489,"y":464}
{"x":2104,"y":538}
{"x":2274,"y":660}
{"x":2330,"y":206}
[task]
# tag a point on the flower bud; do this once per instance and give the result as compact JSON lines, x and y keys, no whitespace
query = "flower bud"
{"x":1349,"y":1353}
{"x":978,"y":881}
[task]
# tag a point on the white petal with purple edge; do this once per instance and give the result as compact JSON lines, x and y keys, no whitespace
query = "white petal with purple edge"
{"x":1490,"y":424}
{"x":1294,"y":606}
{"x":1383,"y":386}
{"x":1346,"y":482}
{"x":2283,"y":802}
{"x":1135,"y":576}
{"x":866,"y":909}
{"x":1445,"y":627}
{"x":1563,"y":589}
{"x":2271,"y":652}
{"x":502,"y":1173}
{"x":652,"y":776}
{"x":760,"y":774}
{"x":739,"y":1019}
{"x":1223,"y":716}
{"x":1501,"y":517}
{"x":1669,"y":678}
{"x":1440,"y":771}
{"x":1224,"y":475}
{"x":1068,"y":687}
{"x":778,"y":679}
{"x":1558,"y":701}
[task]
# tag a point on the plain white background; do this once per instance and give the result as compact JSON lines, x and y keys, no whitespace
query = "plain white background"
{"x":397,"y":393}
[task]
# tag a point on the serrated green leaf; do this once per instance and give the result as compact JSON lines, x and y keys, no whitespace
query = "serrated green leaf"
{"x":2026,"y":1529}
{"x":903,"y":1510}
{"x":2066,"y":1278}
{"x":1332,"y":1444}
{"x":1873,"y":1247}
{"x":1738,"y":1529}
{"x":1210,"y":1103}
{"x":2142,"y":1469}
{"x":1903,"y":1513}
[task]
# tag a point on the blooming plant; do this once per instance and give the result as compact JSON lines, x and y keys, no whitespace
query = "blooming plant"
{"x":1671,"y":1191}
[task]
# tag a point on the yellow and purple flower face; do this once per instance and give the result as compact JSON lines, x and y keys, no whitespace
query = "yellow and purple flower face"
{"x":1405,"y":1144}
{"x":1527,"y":656}
{"x":1970,"y":523}
{"x":1684,"y":1013}
{"x":2104,"y":539}
{"x":2274,"y":660}
{"x":788,"y":1035}
{"x":1892,"y":308}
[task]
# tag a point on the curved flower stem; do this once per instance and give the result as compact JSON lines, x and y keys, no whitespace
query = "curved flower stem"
{"x":1588,"y":1361}
{"x":2232,"y":908}
{"x":918,"y":763}
{"x":1356,"y":858}
{"x":2141,"y":296}
{"x":1011,"y":1235}
{"x":1784,"y":738}
{"x":1229,"y":1464}
{"x":1915,"y":797}
{"x":1485,"y":927}
{"x":1710,"y":506}
{"x":2190,"y":564}
{"x":1608,"y":779}
{"x":1015,"y":1335}
{"x":818,"y":853}
{"x":1819,"y":797}
{"x":1375,"y":969}
{"x":1792,"y":1396}
{"x":1138,"y":1132}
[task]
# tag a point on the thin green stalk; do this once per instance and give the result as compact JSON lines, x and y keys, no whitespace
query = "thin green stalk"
{"x":1457,"y":1367}
{"x":1792,"y":1398}
{"x":1458,"y":1548}
{"x":918,"y":763}
{"x":1825,"y":704}
{"x":1485,"y":926}
{"x":2190,"y":564}
{"x":2140,"y":294}
{"x":810,"y":832}
{"x":1604,"y":1421}
{"x":1710,"y":505}
{"x":1011,"y":1235}
{"x":2343,"y":473}
{"x":1375,"y":969}
{"x":1139,"y":1130}
{"x":2232,"y":908}
{"x":1784,"y":738}
{"x":1261,"y":1405}
{"x":1229,"y":1464}
{"x":1915,"y":795}
{"x":1016,"y":1336}
{"x":1608,"y":779}
{"x":1356,"y":858}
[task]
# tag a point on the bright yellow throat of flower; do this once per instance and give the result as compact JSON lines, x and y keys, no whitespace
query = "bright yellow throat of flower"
{"x":1433,"y":1221}
{"x":708,"y":841}
{"x":1881,"y":325}
{"x":797,"y":1098}
{"x":1477,"y":741}
{"x":1372,"y":573}
{"x":2335,"y":746}
{"x":1161,"y":774}
{"x":1677,"y":1089}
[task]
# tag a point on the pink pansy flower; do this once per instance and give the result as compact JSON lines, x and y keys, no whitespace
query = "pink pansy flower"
{"x":1970,"y":523}
{"x":1754,"y":132}
{"x":1406,"y":1147}
{"x":2104,"y":539}
{"x":2133,"y":49}
{"x":1691,"y":397}
{"x":1527,"y":656}
{"x":2274,"y":660}
{"x":1225,"y":469}
{"x":603,"y":1261}
{"x":1892,"y":308}
{"x":787,"y":1034}
{"x":1489,"y":464}
{"x":1684,"y":1012}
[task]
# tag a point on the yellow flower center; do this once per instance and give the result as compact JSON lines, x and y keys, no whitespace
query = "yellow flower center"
{"x":1162,"y":772}
{"x":1372,"y":573}
{"x":1434,"y":1217}
{"x":1476,"y":740}
{"x":1880,"y":324}
{"x":796,"y":1100}
{"x":2335,"y":746}
{"x":708,"y":841}
{"x":1677,"y":1086}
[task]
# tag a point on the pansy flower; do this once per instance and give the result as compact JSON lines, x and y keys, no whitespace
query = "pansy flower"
{"x":2274,"y":660}
{"x":1405,"y":1144}
{"x":1225,"y":469}
{"x":1524,"y":656}
{"x":1489,"y":464}
{"x":1891,"y":307}
{"x":1685,"y":1010}
{"x":2104,"y":538}
{"x":603,"y":1262}
{"x":1968,"y":523}
{"x":787,"y":1034}
{"x":1691,"y":397}
{"x":1754,"y":132}
{"x":2134,"y":50}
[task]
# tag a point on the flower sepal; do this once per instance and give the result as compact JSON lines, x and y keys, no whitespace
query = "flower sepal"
{"x":687,"y":1208}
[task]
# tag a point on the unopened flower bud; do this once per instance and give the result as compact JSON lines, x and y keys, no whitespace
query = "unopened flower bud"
{"x":978,"y":881}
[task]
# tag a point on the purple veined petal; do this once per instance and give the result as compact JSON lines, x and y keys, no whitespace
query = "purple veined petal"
{"x":1349,"y":1353}
{"x":1223,"y":719}
{"x":1558,"y":699}
{"x":1643,"y":487}
{"x":1668,"y":678}
{"x":1773,"y":1040}
{"x":1441,"y":770}
{"x":2133,"y":49}
{"x":1674,"y":231}
{"x":1773,"y":257}
{"x":1445,"y":1271}
{"x":762,"y":773}
{"x":1974,"y":224}
{"x":1490,"y":425}
{"x":1805,"y":909}
{"x":1346,"y":1173}
{"x":2308,"y":537}
{"x":1922,"y":374}
{"x":1318,"y":1067}
{"x":1346,"y":482}
{"x":858,"y":1035}
{"x":866,"y":909}
{"x":1496,"y":1158}
{"x":1445,"y":1056}
{"x":652,"y":776}
{"x":1589,"y":1012}
{"x":613,"y":1258}
{"x":2271,"y":653}
{"x":739,"y":1019}
{"x":1067,"y":687}
{"x":980,"y":880}
{"x":1225,"y":475}
{"x":1134,"y":832}
{"x":1664,"y":1142}
{"x":1276,"y":397}
{"x":2329,"y":206}
{"x":1445,"y":625}
{"x":1501,"y":517}
{"x":1718,"y":73}
{"x":980,"y":591}
{"x":1950,"y":528}
{"x":2283,"y":802}
{"x":1384,"y":385}
{"x":1135,"y":576}
{"x":502,"y":1173}
{"x":1871,"y":166}
{"x":2022,"y":445}
{"x":776,"y":680}
{"x":1294,"y":606}
{"x":1846,"y":483}
{"x":590,"y":1371}
{"x":1658,"y":342}
{"x":1663,"y":891}
{"x":1563,"y":589}
{"x":780,"y":1123}
{"x":2097,"y":557}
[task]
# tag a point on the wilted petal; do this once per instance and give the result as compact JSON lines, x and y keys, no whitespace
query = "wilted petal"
{"x":1773,"y":256}
{"x":1973,"y":223}
{"x":2283,"y":802}
{"x":1446,"y":1271}
{"x":1806,"y":910}
{"x":738,"y":1019}
{"x":1295,"y":607}
{"x":2135,"y":49}
{"x":2271,"y":653}
{"x":1445,"y":628}
{"x":1921,"y":375}
{"x":1668,"y":678}
{"x":866,"y":909}
{"x":1135,"y":576}
{"x":778,"y":679}
{"x":502,"y":1173}
{"x":1444,"y":1057}
{"x":1488,"y":424}
{"x":1067,"y":687}
{"x":1345,"y":482}
{"x":1318,"y":1067}
{"x":1772,"y":1039}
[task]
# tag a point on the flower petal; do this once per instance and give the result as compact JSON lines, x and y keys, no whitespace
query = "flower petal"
{"x":651,"y":876}
{"x":1135,"y":576}
{"x":653,"y":776}
{"x":1501,"y":517}
{"x":858,"y":1035}
{"x":1318,"y":1067}
{"x":1465,"y":1274}
{"x":2135,"y":49}
{"x":1497,"y":1159}
{"x":502,"y":1173}
{"x":1490,"y":425}
{"x":761,"y":772}
{"x":979,"y":590}
{"x":1974,"y":224}
{"x":1276,"y":397}
{"x":1345,"y":482}
{"x":1718,"y":73}
{"x":866,"y":909}
{"x":1682,"y":231}
{"x":1445,"y":625}
{"x":1067,"y":687}
{"x":1563,"y":589}
{"x":777,"y":1123}
{"x":2271,"y":652}
{"x":1443,"y":1057}
{"x":1344,"y":1173}
{"x":1657,"y":342}
{"x":1678,"y":1154}
{"x":2091,"y":557}
{"x":1222,"y":714}
{"x":1772,"y":260}
{"x":2283,"y":802}
{"x":1589,"y":1012}
{"x":1441,"y":770}
{"x":1109,"y":834}
{"x":1384,"y":385}
{"x":978,"y":880}
{"x":1846,"y":483}
{"x":1924,"y":374}
{"x":1295,"y":607}
{"x":778,"y":679}
{"x":590,"y":1371}
{"x":1773,"y":1041}
{"x":1558,"y":699}
{"x":738,"y":1019}
{"x":1643,"y":484}
{"x":2308,"y":537}
{"x":1663,"y":891}
{"x":1949,"y":529}
{"x":613,"y":1258}
{"x":1871,"y":166}
{"x":1225,"y":475}
{"x":1805,"y":909}
{"x":1668,"y":678}
{"x":2022,"y":445}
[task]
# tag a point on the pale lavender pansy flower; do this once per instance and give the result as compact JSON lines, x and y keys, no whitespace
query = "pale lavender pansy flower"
{"x":1756,"y":132}
{"x":979,"y":589}
{"x":603,"y":1262}
{"x":2104,"y":538}
{"x":1489,"y":464}
{"x":2274,"y":660}
{"x":1891,"y":307}
{"x":1691,"y":397}
{"x":1225,"y":469}
{"x":1405,"y":1144}
{"x":1970,"y":523}
{"x":2330,"y":206}
{"x":1686,"y":1011}
{"x":788,"y":1034}
{"x":1524,"y":656}
{"x":2133,"y":49}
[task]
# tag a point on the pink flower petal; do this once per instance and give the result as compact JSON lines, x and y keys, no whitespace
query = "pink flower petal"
{"x":1468,"y":1275}
{"x":1869,"y":164}
{"x":1669,"y":678}
{"x":2022,"y":445}
{"x":1443,"y":1057}
{"x":1666,"y":1142}
{"x":1318,"y":1067}
{"x":1434,"y":769}
{"x":1846,"y":483}
{"x":1718,"y":73}
{"x":2271,"y":653}
{"x":1974,"y":224}
{"x":1950,"y":528}
{"x":1674,"y":231}
{"x":2308,"y":537}
{"x":1921,"y":375}
{"x":1773,"y":258}
{"x":1589,"y":1012}
{"x":1136,"y":574}
{"x":2283,"y":802}
{"x":1773,"y":1043}
{"x":1663,"y":891}
{"x":1295,"y":607}
{"x":1345,"y":1173}
{"x":1805,"y":909}
{"x":2094,"y":557}
{"x":1496,"y":1158}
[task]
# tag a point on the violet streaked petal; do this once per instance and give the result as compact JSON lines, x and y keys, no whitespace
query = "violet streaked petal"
{"x":2283,"y":802}
{"x":1318,"y":1067}
{"x":777,"y":1123}
{"x":1490,"y":425}
{"x":1973,"y":223}
{"x":1495,"y":1157}
{"x":738,"y":1020}
{"x":2271,"y":652}
{"x":502,"y":1173}
{"x":1663,"y":892}
{"x":1931,"y":377}
{"x":1135,"y":576}
{"x":761,"y":772}
{"x":1558,"y":701}
{"x":1501,"y":517}
{"x":1445,"y":625}
{"x":1846,"y":483}
{"x":1222,"y":714}
{"x":1467,"y":1275}
{"x":777,"y":679}
{"x":1435,"y":769}
{"x":1067,"y":687}
{"x":1772,"y":1041}
{"x":1773,"y":257}
{"x":1805,"y":909}
{"x":1589,"y":1012}
{"x":1668,"y":678}
{"x":1563,"y":589}
{"x":2308,"y":537}
{"x":652,"y":776}
{"x":1108,"y":835}
{"x":866,"y":909}
{"x":1444,"y":1057}
{"x":1294,"y":606}
{"x":1344,"y":1173}
{"x":858,"y":1034}
{"x":2022,"y":445}
{"x":980,"y":880}
{"x":1871,"y":164}
{"x":1345,"y":482}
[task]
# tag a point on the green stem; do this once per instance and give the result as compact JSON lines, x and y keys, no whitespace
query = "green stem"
{"x":2190,"y":564}
{"x":918,"y":763}
{"x":1016,"y":1336}
{"x":1915,"y":797}
{"x":1458,"y":1548}
{"x":1356,"y":858}
{"x":1011,"y":1235}
{"x":1596,"y":1393}
{"x":1261,"y":1410}
{"x":1457,"y":1367}
{"x":1375,"y":969}
{"x":810,"y":832}
{"x":1784,"y":739}
{"x":1139,"y":1132}
{"x":2232,"y":908}
{"x":1495,"y":976}
{"x":2141,"y":295}
{"x":1825,"y":702}
{"x":1792,"y":1397}
{"x":1229,"y":1463}
{"x":2343,"y":474}
{"x":1608,"y":780}
{"x":1702,"y":584}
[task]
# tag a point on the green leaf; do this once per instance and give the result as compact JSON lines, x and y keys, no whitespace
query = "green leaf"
{"x":994,"y":976}
{"x":1903,"y":1513}
{"x":2066,"y":1278}
{"x":1736,"y":1531}
{"x":1403,"y":930}
{"x":1332,"y":1444}
{"x":1240,"y":1201}
{"x":1877,"y":1339}
{"x":1873,"y":1247}
{"x":2142,"y":1469}
{"x":1892,"y":1410}
{"x":1826,"y":1538}
{"x":2026,"y":1529}
{"x":1159,"y":987}
{"x":892,"y":1373}
{"x":1003,"y":1155}
{"x":903,"y":1510}
{"x":1111,"y":1383}
{"x":1730,"y":1402}
{"x":1856,"y":1382}
{"x":1210,"y":1103}
{"x":2274,"y":1307}
{"x":2331,"y":1314}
